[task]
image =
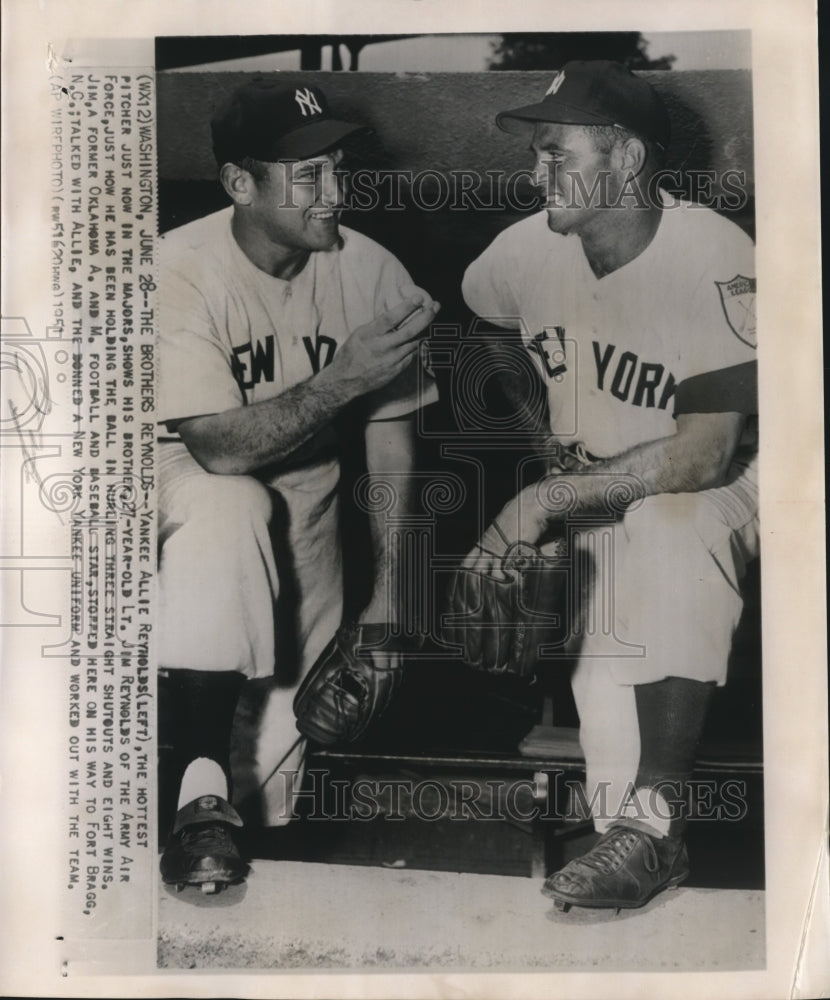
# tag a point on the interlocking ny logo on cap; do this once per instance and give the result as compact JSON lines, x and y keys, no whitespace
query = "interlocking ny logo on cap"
{"x":307,"y":102}
{"x":558,"y":80}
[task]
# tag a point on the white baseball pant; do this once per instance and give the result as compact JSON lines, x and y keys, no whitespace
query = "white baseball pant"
{"x":219,"y":585}
{"x":674,"y":603}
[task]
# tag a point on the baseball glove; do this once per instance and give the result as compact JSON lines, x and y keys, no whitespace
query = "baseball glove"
{"x":349,"y":686}
{"x":501,"y":619}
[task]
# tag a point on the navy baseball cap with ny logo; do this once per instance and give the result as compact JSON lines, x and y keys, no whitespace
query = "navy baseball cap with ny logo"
{"x":267,"y":120}
{"x":597,"y":92}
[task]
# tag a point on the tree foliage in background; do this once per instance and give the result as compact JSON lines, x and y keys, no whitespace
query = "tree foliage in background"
{"x":551,"y":51}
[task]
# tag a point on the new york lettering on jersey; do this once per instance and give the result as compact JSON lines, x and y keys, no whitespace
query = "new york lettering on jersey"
{"x":253,"y":363}
{"x":630,"y":379}
{"x":621,"y":372}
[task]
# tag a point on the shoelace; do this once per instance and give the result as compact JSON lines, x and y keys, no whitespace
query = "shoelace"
{"x":576,"y":450}
{"x":615,"y":847}
{"x":582,"y":453}
{"x":207,"y":839}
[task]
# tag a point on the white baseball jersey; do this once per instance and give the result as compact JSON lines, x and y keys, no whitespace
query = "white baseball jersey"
{"x":672,"y":331}
{"x":232,"y":335}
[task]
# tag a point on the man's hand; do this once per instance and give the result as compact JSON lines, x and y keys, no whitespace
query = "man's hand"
{"x":246,"y":438}
{"x":375,"y":353}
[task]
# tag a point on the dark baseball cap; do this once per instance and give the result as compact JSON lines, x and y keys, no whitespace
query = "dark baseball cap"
{"x":597,"y":93}
{"x":269,"y":121}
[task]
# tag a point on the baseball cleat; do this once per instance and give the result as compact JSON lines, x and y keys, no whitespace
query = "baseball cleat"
{"x":626,"y":869}
{"x":201,"y":851}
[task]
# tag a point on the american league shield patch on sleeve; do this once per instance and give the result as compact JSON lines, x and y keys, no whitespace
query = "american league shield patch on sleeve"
{"x":737,"y":296}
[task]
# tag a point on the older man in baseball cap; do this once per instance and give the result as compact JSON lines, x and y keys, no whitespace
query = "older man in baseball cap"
{"x":638,"y":310}
{"x":274,"y":318}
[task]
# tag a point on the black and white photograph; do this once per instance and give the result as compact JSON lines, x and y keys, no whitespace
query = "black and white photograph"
{"x":396,"y":518}
{"x":458,"y":509}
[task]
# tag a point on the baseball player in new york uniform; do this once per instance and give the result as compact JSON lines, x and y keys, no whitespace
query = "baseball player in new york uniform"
{"x":274,"y":319}
{"x":639,"y":312}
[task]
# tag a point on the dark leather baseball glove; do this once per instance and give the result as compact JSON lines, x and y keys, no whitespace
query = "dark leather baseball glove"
{"x":351,"y":683}
{"x":501,"y":618}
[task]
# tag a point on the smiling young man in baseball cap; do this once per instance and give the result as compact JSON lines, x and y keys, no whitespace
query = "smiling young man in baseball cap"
{"x":274,"y":318}
{"x":638,"y":311}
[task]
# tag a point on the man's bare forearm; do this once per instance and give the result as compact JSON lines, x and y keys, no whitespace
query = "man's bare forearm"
{"x":696,"y":458}
{"x":246,"y":438}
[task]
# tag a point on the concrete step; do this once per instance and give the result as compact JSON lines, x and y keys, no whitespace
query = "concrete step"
{"x":297,"y":915}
